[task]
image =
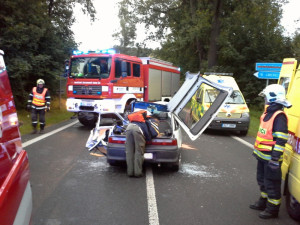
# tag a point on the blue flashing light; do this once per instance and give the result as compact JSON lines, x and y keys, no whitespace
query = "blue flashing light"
{"x":103,"y":51}
{"x":99,"y":92}
{"x":221,"y":81}
{"x":74,"y":92}
{"x":109,"y":51}
{"x":77,"y":52}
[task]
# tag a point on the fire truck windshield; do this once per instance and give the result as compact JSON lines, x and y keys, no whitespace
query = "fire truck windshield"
{"x":90,"y":67}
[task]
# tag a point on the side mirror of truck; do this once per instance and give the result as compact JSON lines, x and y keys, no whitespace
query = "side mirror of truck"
{"x":66,"y":68}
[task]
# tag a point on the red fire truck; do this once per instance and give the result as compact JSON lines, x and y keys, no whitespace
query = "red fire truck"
{"x":103,"y":81}
{"x":15,"y":190}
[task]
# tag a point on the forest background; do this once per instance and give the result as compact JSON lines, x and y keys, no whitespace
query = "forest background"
{"x":196,"y":35}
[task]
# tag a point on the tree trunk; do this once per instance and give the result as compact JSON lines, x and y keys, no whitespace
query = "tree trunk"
{"x":193,"y":7}
{"x":214,"y":35}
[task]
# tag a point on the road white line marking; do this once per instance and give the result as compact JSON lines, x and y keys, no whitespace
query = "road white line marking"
{"x":152,"y":206}
{"x":243,"y":141}
{"x":30,"y":142}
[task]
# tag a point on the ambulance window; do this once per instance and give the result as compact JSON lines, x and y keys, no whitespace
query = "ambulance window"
{"x":211,"y":95}
{"x":136,"y":70}
{"x":285,"y":81}
{"x":235,"y":98}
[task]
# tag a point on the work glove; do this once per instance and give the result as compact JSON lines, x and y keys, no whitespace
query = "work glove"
{"x":28,"y":107}
{"x":47,"y":108}
{"x":273,"y":164}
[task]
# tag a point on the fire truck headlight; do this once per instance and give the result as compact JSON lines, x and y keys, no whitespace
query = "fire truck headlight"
{"x":105,"y":88}
{"x":70,"y":88}
{"x":13,"y":119}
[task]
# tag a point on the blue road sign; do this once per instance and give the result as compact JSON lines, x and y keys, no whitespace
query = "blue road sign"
{"x":267,"y":75}
{"x":268,"y":67}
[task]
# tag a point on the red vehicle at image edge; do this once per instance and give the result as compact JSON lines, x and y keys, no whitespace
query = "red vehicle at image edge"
{"x":103,"y":81}
{"x":15,"y":190}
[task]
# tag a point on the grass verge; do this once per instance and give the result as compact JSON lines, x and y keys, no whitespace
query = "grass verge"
{"x":254,"y":121}
{"x":55,"y":115}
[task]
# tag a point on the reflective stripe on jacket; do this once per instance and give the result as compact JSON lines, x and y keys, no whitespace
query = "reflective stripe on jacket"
{"x":39,"y":99}
{"x":264,"y":140}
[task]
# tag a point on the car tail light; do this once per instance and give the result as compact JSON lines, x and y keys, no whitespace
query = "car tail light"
{"x":163,"y":142}
{"x":116,"y":140}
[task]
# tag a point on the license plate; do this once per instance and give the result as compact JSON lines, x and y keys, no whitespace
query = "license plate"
{"x":148,"y":155}
{"x":87,"y":103}
{"x":228,"y":125}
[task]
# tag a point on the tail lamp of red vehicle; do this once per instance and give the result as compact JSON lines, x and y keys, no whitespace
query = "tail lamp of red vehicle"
{"x":121,"y":140}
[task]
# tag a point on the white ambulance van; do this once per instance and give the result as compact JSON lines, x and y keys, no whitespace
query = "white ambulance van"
{"x":233,"y":116}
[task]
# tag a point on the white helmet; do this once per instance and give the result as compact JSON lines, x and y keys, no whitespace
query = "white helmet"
{"x":275,"y":93}
{"x":40,"y":81}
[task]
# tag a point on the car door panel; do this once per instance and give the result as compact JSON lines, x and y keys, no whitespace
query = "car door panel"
{"x":181,"y":104}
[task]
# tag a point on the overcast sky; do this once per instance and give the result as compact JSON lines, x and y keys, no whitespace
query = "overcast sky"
{"x":98,"y":35}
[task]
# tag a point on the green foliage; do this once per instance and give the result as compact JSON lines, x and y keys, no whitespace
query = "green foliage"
{"x":221,"y":36}
{"x":36,"y":37}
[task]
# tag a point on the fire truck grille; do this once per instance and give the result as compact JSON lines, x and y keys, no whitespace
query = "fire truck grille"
{"x":87,"y":90}
{"x":86,"y":108}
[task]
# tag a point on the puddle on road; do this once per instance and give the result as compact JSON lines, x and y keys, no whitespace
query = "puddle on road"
{"x":192,"y":170}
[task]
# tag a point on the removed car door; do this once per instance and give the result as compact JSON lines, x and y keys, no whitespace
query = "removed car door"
{"x":181,"y":104}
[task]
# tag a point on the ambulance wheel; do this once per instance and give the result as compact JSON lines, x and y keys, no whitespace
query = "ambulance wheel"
{"x":243,"y":132}
{"x":293,"y":206}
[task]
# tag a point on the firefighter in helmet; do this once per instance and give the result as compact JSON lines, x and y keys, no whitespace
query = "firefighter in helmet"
{"x":268,"y":150}
{"x":38,"y":103}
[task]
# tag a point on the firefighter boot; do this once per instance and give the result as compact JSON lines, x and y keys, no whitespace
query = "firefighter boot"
{"x":260,"y":204}
{"x":34,"y":130}
{"x":268,"y":215}
{"x":271,"y":211}
{"x":42,"y":131}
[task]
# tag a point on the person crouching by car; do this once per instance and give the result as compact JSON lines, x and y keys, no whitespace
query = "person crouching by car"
{"x":142,"y":128}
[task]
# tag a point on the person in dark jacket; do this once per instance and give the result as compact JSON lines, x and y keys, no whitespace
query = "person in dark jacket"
{"x":38,"y":102}
{"x":268,"y":150}
{"x":142,"y":128}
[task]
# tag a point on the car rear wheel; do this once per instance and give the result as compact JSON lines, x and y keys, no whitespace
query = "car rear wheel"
{"x":112,"y":162}
{"x":176,"y":166}
{"x":293,"y":206}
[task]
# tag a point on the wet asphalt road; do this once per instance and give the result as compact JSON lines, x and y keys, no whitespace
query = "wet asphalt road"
{"x":215,"y":184}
